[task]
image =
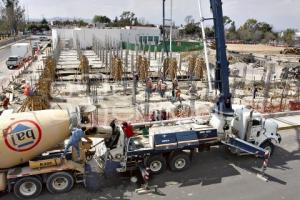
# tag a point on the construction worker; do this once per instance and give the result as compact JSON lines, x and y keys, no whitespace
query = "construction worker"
{"x":177,"y":94}
{"x":112,"y":141}
{"x":27,"y":90}
{"x":158,"y":115}
{"x":163,"y":89}
{"x":128,"y":129}
{"x":163,"y":114}
{"x":174,"y":86}
{"x":5,"y":103}
{"x":152,"y":116}
{"x":135,"y":81}
{"x":192,"y":89}
{"x":149,"y":87}
{"x":255,"y":92}
{"x":74,"y":141}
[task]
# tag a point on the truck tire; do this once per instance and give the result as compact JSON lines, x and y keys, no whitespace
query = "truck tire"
{"x":179,"y":162}
{"x":268,"y":145}
{"x":28,"y":187}
{"x":10,"y":67}
{"x":156,"y":164}
{"x":60,"y":182}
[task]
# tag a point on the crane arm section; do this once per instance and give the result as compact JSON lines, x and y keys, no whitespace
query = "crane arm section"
{"x":223,"y":105}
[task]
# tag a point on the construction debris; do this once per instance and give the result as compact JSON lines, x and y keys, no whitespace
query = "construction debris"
{"x":294,"y":51}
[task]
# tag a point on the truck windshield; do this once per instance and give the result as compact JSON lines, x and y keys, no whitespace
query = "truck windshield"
{"x":12,"y":59}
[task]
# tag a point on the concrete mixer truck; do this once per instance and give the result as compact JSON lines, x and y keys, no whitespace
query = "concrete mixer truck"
{"x":30,"y":153}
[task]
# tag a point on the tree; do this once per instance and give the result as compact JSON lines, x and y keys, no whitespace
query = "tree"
{"x":264,"y":27}
{"x":101,"y":19}
{"x":257,"y":36}
{"x":192,"y":29}
{"x":245,"y":35}
{"x":127,"y":18}
{"x":14,"y":15}
{"x":75,"y":22}
{"x":116,"y":20}
{"x":227,"y":21}
{"x":288,"y":36}
{"x":188,"y":19}
{"x":82,"y":23}
{"x":3,"y":24}
{"x":231,"y":32}
{"x":269,"y":36}
{"x":255,"y":31}
{"x":249,"y":25}
{"x":44,"y":21}
{"x":209,"y":32}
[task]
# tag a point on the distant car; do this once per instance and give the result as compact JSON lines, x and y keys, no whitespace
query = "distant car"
{"x":35,"y":46}
{"x":44,"y":38}
{"x":14,"y":62}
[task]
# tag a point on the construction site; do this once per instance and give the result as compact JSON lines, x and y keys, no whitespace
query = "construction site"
{"x":105,"y":73}
{"x":147,"y":104}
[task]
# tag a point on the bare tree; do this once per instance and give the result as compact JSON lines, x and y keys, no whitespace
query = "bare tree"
{"x":13,"y":15}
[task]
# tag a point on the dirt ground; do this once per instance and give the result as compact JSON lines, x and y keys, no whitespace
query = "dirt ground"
{"x":254,"y":48}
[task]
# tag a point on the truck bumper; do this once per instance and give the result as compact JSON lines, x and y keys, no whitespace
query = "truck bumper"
{"x":11,"y":67}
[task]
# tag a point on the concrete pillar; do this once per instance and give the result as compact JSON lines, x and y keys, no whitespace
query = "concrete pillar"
{"x":162,"y":55}
{"x":110,"y":60}
{"x":180,"y":62}
{"x":125,"y":69}
{"x":149,"y":55}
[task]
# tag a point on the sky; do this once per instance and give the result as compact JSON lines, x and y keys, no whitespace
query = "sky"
{"x":281,"y":14}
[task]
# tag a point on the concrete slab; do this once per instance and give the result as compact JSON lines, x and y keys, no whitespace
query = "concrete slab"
{"x":288,"y":122}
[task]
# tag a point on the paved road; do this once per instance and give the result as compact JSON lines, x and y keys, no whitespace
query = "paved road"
{"x":5,"y":73}
{"x":4,"y":54}
{"x":214,"y":175}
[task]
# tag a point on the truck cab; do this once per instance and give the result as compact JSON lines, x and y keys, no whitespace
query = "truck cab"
{"x":252,"y":127}
{"x":14,"y":62}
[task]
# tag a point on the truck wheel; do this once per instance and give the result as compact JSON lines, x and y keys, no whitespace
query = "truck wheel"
{"x":156,"y":164}
{"x":269,"y":146}
{"x":179,"y":162}
{"x":60,"y":182}
{"x":28,"y":187}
